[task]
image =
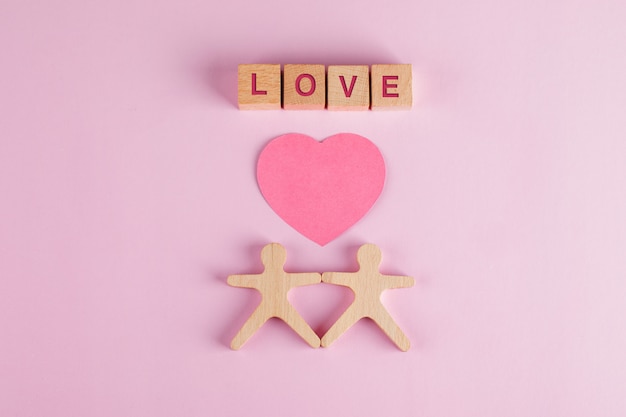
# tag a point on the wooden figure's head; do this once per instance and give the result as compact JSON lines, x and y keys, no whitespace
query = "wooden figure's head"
{"x":273,"y":255}
{"x":369,"y":256}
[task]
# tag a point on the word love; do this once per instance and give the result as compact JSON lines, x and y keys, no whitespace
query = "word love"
{"x":309,"y":87}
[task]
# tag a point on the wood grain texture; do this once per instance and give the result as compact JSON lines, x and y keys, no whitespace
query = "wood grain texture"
{"x":258,"y":87}
{"x":348,"y":87}
{"x":367,"y":284}
{"x":304,"y":87}
{"x":274,"y":284}
{"x":392,"y":86}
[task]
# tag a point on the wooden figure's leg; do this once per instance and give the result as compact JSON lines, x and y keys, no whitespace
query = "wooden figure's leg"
{"x":347,"y":319}
{"x":254,"y":322}
{"x":300,"y":326}
{"x":391,"y":328}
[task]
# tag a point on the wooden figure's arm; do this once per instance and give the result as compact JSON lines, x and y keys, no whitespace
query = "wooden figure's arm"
{"x":243,"y":281}
{"x":338,"y":278}
{"x":397,"y":281}
{"x":306,"y":278}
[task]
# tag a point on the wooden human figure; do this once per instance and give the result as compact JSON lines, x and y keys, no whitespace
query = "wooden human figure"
{"x":367,"y":284}
{"x":274,"y":284}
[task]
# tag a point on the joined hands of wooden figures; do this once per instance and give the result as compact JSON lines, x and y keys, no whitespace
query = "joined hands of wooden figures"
{"x":367,"y":284}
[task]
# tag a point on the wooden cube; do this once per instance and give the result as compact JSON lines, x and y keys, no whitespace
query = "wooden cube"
{"x":348,"y":87}
{"x":392,"y":87}
{"x":258,"y":87}
{"x":304,"y":87}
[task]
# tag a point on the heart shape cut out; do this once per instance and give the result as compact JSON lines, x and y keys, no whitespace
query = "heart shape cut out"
{"x":322,"y":188}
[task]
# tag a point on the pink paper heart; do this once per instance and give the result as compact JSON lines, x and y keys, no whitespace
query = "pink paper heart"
{"x":321,"y":188}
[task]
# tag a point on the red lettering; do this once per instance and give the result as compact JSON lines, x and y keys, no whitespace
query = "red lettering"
{"x":256,"y":92}
{"x":299,"y":89}
{"x":347,"y":91}
{"x":387,"y":85}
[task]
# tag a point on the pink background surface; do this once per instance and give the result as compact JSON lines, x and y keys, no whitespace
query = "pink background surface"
{"x":127,"y":178}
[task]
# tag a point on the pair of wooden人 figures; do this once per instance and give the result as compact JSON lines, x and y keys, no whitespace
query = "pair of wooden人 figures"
{"x":274,"y":284}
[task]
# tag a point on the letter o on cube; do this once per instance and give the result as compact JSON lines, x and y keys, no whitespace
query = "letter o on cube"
{"x":304,"y":87}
